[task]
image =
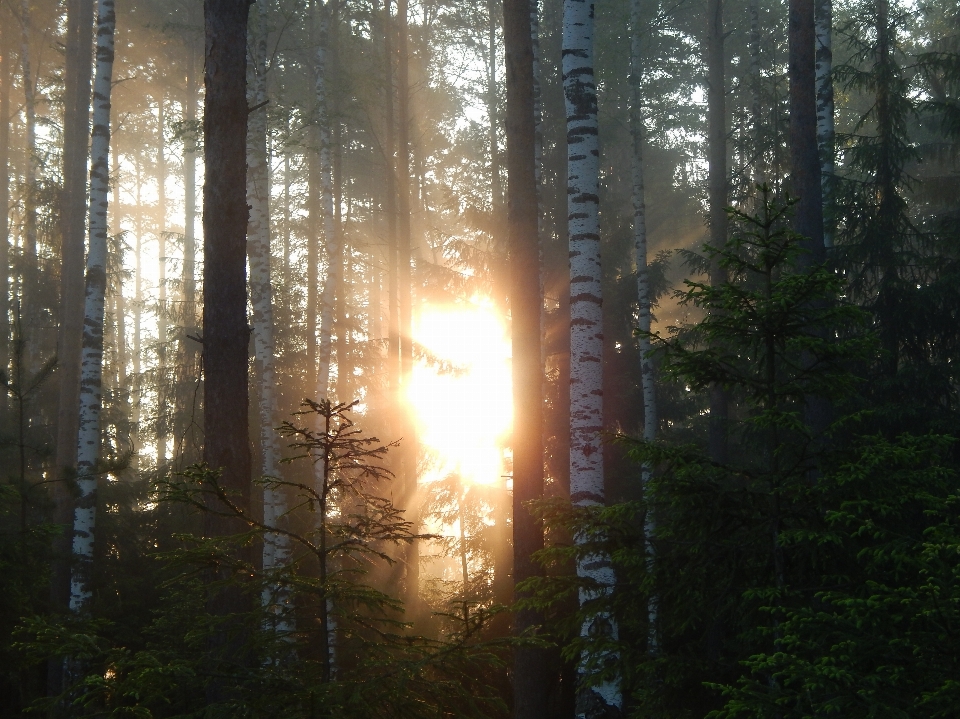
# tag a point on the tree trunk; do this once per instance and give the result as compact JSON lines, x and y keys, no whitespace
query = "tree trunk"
{"x":276,"y":548}
{"x":6,"y":80}
{"x":331,"y":231}
{"x":225,"y":332}
{"x":647,"y":377}
{"x":76,"y":138}
{"x":408,"y":451}
{"x":718,"y":192}
{"x":496,"y":186}
{"x":30,"y":267}
{"x":162,"y":309}
{"x":804,"y":152}
{"x":825,"y":114}
{"x":530,"y":680}
{"x":88,"y":437}
{"x":586,"y":314}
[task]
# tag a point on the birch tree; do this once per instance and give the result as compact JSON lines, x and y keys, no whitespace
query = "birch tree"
{"x":586,"y":322}
{"x":647,"y":379}
{"x":88,"y":438}
{"x":276,"y":547}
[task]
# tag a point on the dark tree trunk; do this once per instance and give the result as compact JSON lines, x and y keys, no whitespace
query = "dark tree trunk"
{"x":718,"y":190}
{"x":804,"y":150}
{"x":6,"y":78}
{"x":805,"y":160}
{"x":73,"y":211}
{"x":531,"y":681}
{"x":225,"y":331}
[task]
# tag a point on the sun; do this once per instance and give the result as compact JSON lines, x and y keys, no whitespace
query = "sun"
{"x":460,"y":392}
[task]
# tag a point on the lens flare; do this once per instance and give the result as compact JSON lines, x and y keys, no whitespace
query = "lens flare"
{"x":461,"y":393}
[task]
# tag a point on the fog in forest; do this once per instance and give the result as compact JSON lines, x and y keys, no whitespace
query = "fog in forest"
{"x":530,"y":358}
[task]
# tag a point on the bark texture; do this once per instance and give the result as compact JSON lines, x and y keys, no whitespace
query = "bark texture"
{"x":531,"y":686}
{"x":647,"y":378}
{"x":88,"y":437}
{"x":804,"y":152}
{"x":718,"y":193}
{"x":586,"y":315}
{"x":825,"y":113}
{"x":225,"y":214}
{"x":276,"y":549}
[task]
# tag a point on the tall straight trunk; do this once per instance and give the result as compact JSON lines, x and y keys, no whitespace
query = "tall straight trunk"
{"x":6,"y":80}
{"x":88,"y":436}
{"x":759,"y":159}
{"x":276,"y":548}
{"x":647,"y":377}
{"x":331,"y":234}
{"x":162,"y":309}
{"x":586,"y":317}
{"x":190,"y":199}
{"x":188,"y":348}
{"x":825,"y":112}
{"x":718,"y":197}
{"x":408,"y":452}
{"x":29,"y":268}
{"x":225,"y":214}
{"x":530,"y":678}
{"x":804,"y":152}
{"x":496,"y":185}
{"x":76,"y":138}
{"x":390,"y":209}
{"x":136,"y":387}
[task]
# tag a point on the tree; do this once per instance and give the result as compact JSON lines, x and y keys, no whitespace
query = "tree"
{"x":531,"y":684}
{"x":586,"y":318}
{"x":718,"y":194}
{"x":91,"y":376}
{"x":226,"y":446}
{"x":276,"y":547}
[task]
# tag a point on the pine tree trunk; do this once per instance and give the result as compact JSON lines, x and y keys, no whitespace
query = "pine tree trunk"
{"x":586,"y":314}
{"x":496,"y":186}
{"x":76,"y":137}
{"x":6,"y":80}
{"x":408,"y":450}
{"x":275,"y":546}
{"x":331,"y":234}
{"x":531,"y":673}
{"x":88,"y":438}
{"x":647,"y":377}
{"x":825,"y":113}
{"x":759,"y":159}
{"x":225,"y":332}
{"x":162,"y":309}
{"x":29,"y":260}
{"x":718,"y":192}
{"x":390,"y":209}
{"x":804,"y":152}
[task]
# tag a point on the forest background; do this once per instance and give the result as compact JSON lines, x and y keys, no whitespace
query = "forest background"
{"x":770,"y":527}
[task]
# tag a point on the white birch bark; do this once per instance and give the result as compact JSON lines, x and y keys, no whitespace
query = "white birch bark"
{"x":586,"y":318}
{"x":88,"y":440}
{"x":825,"y":112}
{"x":647,"y":378}
{"x":276,"y":549}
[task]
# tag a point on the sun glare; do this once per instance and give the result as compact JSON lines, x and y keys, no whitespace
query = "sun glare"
{"x":461,"y":392}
